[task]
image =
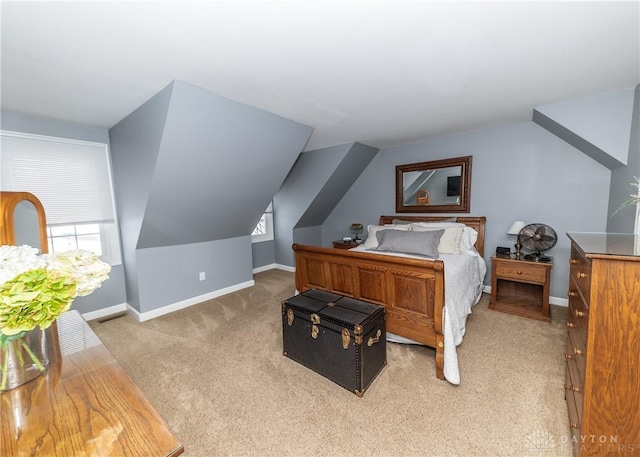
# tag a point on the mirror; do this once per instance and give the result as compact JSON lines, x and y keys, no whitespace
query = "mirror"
{"x":438,"y":186}
{"x":22,"y":220}
{"x":26,"y":225}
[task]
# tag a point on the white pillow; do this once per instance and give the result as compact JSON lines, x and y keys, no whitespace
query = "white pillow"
{"x":372,"y":241}
{"x":439,"y":224}
{"x":469,"y":238}
{"x":450,"y":240}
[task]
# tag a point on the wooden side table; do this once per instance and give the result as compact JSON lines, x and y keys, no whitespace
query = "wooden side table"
{"x":344,"y":244}
{"x":521,"y":287}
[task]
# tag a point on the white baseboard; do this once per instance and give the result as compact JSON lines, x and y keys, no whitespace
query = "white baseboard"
{"x":552,"y":300}
{"x":141,"y":317}
{"x":115,"y":309}
{"x":559,"y":301}
{"x":273,"y":266}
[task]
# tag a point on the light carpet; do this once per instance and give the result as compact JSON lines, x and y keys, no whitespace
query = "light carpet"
{"x":216,"y":373}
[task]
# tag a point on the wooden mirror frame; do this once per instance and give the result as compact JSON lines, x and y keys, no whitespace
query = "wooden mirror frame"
{"x":465,"y":186}
{"x":8,"y":203}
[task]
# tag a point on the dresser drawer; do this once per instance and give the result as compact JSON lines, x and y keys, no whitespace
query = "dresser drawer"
{"x":580,"y":271}
{"x":525,"y":272}
{"x":577,"y":350}
{"x":574,"y":417}
{"x":577,"y":317}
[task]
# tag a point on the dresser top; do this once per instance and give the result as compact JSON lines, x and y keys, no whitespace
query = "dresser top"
{"x":85,"y":403}
{"x":607,"y":244}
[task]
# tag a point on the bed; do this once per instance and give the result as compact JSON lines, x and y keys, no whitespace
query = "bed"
{"x":421,"y":306}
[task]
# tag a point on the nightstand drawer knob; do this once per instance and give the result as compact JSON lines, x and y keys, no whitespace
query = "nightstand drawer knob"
{"x":519,"y":272}
{"x":582,"y":275}
{"x":570,"y":324}
{"x":573,"y":425}
{"x":573,"y":261}
{"x":577,"y":351}
{"x":573,"y":293}
{"x":579,"y":313}
{"x":568,"y":356}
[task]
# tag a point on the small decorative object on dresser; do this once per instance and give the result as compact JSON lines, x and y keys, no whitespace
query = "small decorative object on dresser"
{"x":521,"y":287}
{"x":602,"y":386}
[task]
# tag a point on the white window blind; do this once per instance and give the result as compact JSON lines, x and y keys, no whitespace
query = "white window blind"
{"x":71,"y":178}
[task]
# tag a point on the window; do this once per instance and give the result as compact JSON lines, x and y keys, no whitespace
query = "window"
{"x":72,"y":179}
{"x":264,"y":229}
{"x":78,"y":236}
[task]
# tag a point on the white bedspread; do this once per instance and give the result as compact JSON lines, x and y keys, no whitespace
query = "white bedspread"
{"x":463,"y":278}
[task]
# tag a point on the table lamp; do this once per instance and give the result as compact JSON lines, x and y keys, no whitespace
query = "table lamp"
{"x":356,"y":229}
{"x":515,"y":230}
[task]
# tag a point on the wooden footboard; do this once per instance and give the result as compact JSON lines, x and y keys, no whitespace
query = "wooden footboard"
{"x":412,"y":290}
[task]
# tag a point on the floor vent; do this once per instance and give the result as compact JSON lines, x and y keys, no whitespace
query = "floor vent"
{"x":112,"y":317}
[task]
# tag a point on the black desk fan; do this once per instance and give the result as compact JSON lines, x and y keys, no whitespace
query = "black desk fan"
{"x":537,"y":238}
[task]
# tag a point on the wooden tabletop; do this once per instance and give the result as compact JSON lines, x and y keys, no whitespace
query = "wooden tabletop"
{"x":85,"y":405}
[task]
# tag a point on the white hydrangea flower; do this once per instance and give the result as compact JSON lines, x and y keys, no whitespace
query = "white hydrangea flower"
{"x":84,"y":267}
{"x":15,"y":260}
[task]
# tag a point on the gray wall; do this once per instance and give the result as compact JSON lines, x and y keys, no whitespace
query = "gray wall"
{"x":112,"y":291}
{"x":304,"y":182}
{"x":520,"y":172}
{"x":599,"y":125}
{"x":315,"y":184}
{"x":135,"y":142}
{"x":625,"y":221}
{"x":169,"y":274}
{"x":263,"y":253}
{"x":207,"y":168}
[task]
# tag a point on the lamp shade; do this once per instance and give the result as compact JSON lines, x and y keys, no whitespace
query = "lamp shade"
{"x":516,"y":227}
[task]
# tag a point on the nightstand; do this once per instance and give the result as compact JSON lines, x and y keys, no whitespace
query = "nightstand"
{"x":521,"y":287}
{"x":344,"y":244}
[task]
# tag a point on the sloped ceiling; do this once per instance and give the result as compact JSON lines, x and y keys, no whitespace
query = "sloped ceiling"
{"x":381,"y":73}
{"x":598,"y":125}
{"x":217,"y":165}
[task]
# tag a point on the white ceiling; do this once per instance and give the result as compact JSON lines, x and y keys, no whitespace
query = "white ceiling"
{"x":379,"y":72}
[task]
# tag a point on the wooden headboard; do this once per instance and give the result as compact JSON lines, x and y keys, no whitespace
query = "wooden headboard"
{"x":476,"y":223}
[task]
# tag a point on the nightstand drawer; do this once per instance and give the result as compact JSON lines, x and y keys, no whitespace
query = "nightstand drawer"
{"x":521,"y":271}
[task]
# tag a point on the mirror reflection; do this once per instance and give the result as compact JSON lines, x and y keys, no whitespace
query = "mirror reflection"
{"x":27,"y":225}
{"x":432,"y":187}
{"x":436,"y":186}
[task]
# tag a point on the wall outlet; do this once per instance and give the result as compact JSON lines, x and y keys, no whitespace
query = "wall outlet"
{"x":202,"y":276}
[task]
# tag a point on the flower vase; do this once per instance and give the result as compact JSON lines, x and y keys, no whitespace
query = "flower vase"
{"x":23,"y":359}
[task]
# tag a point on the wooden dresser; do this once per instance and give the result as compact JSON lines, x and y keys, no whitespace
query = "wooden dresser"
{"x":602,"y":382}
{"x":84,"y":405}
